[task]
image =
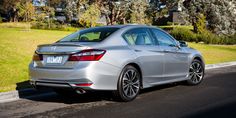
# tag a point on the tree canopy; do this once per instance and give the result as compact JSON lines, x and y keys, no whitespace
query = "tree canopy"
{"x":218,"y":16}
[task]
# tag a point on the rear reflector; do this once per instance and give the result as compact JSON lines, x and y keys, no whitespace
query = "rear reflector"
{"x":84,"y":84}
{"x":87,"y":55}
{"x":37,"y":57}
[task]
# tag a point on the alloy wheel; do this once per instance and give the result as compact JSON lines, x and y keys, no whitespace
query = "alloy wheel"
{"x":130,"y":83}
{"x":196,"y":72}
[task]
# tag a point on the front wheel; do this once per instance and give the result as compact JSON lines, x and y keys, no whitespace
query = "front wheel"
{"x":128,"y":85}
{"x":196,"y":73}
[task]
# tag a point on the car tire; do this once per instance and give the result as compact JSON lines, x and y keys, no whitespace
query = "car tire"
{"x":196,"y":72}
{"x":128,"y":85}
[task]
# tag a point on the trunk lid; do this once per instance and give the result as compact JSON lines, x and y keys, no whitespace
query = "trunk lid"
{"x":56,"y":55}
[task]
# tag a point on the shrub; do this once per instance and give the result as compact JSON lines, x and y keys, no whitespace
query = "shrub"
{"x":0,"y":19}
{"x":200,"y":25}
{"x":53,"y":26}
{"x":90,"y":16}
{"x":99,"y":24}
{"x":169,"y":23}
{"x":206,"y":36}
{"x":39,"y":25}
{"x":22,"y":25}
{"x":229,"y":40}
{"x":183,"y":34}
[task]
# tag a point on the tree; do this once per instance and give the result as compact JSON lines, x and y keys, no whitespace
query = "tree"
{"x":200,"y":24}
{"x":9,"y":7}
{"x":115,"y":11}
{"x":138,"y":10}
{"x":26,"y":10}
{"x":54,"y":3}
{"x":220,"y":14}
{"x":153,"y":10}
{"x":71,"y":9}
{"x":90,"y":16}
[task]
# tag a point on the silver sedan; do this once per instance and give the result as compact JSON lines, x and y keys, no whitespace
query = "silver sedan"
{"x":120,"y":58}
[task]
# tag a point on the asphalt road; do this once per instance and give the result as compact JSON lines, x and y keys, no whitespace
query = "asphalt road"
{"x":215,"y":97}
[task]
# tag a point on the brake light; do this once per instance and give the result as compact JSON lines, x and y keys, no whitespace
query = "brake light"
{"x":37,"y":57}
{"x":87,"y":55}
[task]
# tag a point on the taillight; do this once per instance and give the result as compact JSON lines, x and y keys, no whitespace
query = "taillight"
{"x":87,"y":55}
{"x":37,"y":57}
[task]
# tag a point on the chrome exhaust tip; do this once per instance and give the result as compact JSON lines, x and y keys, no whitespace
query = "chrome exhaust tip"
{"x":80,"y":91}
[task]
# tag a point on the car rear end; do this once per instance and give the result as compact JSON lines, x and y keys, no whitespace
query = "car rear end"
{"x":72,"y":65}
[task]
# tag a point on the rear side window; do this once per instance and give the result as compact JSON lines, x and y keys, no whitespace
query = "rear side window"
{"x":90,"y":35}
{"x":138,"y":37}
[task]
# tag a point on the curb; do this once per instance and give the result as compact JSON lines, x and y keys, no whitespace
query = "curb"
{"x":28,"y":93}
{"x":33,"y":93}
{"x":220,"y":65}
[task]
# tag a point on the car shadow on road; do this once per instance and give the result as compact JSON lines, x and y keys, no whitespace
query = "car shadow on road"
{"x":25,"y":91}
{"x":48,"y":95}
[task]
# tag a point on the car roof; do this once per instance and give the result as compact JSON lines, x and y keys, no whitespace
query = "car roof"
{"x":122,"y":26}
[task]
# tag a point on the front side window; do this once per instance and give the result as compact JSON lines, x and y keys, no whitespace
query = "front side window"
{"x":163,"y":38}
{"x":90,"y":35}
{"x":138,"y":37}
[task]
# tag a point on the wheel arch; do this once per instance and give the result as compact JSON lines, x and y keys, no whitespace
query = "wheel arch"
{"x":199,"y":58}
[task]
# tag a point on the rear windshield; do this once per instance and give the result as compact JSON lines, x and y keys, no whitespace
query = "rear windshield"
{"x":89,"y":35}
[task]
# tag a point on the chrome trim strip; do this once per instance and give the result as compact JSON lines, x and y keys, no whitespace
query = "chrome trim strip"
{"x":53,"y":85}
{"x":63,"y":53}
{"x":60,"y":44}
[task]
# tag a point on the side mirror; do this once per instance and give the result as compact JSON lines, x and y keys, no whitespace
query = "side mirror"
{"x":183,"y":44}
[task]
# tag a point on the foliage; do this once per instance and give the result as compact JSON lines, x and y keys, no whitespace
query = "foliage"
{"x":200,"y":24}
{"x":206,"y":36}
{"x":220,"y":14}
{"x":0,"y":19}
{"x":19,"y":25}
{"x":114,"y":11}
{"x":17,"y":48}
{"x":26,"y":10}
{"x":50,"y":11}
{"x":53,"y":26}
{"x":183,"y":34}
{"x":171,"y":27}
{"x":207,"y":17}
{"x":38,"y":25}
{"x":171,"y":23}
{"x":9,"y":7}
{"x":90,"y":16}
{"x":137,"y":12}
{"x":71,"y":9}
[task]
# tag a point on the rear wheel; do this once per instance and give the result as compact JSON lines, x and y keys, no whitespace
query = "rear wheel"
{"x":196,"y":73}
{"x":128,"y":85}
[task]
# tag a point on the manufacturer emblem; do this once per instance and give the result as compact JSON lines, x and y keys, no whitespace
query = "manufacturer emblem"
{"x":53,"y":48}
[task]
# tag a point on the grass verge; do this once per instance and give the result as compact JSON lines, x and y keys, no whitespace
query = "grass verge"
{"x":16,"y":49}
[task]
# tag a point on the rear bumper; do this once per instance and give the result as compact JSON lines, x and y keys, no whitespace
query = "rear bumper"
{"x":61,"y":85}
{"x":86,"y":75}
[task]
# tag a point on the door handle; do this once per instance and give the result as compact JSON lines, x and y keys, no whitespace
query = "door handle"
{"x":166,"y":51}
{"x":137,"y":50}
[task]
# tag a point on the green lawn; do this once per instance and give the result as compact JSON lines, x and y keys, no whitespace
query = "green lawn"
{"x":17,"y":47}
{"x":216,"y":53}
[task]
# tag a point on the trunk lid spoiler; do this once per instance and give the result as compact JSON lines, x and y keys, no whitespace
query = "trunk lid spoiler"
{"x":60,"y":48}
